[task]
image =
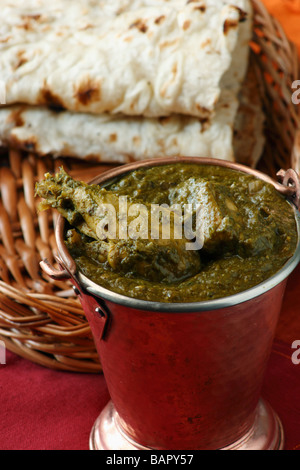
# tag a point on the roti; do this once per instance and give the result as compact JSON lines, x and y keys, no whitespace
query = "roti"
{"x":138,"y":58}
{"x":119,"y":138}
{"x":129,"y":80}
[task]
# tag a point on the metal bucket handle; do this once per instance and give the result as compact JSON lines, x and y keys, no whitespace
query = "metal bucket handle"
{"x":95,"y":305}
{"x":290,"y":182}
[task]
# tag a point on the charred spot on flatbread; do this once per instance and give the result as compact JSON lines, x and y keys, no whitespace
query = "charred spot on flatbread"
{"x":232,"y":24}
{"x":140,"y":25}
{"x":48,"y":97}
{"x":89,"y":90}
{"x":28,"y":145}
{"x":21,"y":59}
{"x":229,"y":24}
{"x":201,"y":8}
{"x":243,"y":14}
{"x":205,"y":123}
{"x":186,"y":25}
{"x":113,"y":137}
{"x":160,"y":19}
{"x":15,"y":117}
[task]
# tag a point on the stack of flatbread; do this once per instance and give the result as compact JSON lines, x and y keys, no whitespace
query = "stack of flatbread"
{"x":124,"y":80}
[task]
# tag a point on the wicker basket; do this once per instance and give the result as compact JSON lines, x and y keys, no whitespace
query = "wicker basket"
{"x":41,"y":319}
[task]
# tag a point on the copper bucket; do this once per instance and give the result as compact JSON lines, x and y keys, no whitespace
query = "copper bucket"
{"x":184,"y":376}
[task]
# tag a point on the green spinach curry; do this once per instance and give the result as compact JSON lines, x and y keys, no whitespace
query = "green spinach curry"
{"x":247,"y":231}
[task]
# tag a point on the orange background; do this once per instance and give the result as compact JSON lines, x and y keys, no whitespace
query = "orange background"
{"x":288,"y":13}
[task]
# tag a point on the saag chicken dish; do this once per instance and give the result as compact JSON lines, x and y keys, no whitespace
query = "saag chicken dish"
{"x":228,"y":231}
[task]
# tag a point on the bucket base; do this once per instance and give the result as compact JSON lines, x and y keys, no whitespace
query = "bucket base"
{"x":266,"y":433}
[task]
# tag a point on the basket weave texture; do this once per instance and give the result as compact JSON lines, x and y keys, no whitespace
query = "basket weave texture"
{"x":41,"y":319}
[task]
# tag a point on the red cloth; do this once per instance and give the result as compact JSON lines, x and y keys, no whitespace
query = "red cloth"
{"x":42,"y":409}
